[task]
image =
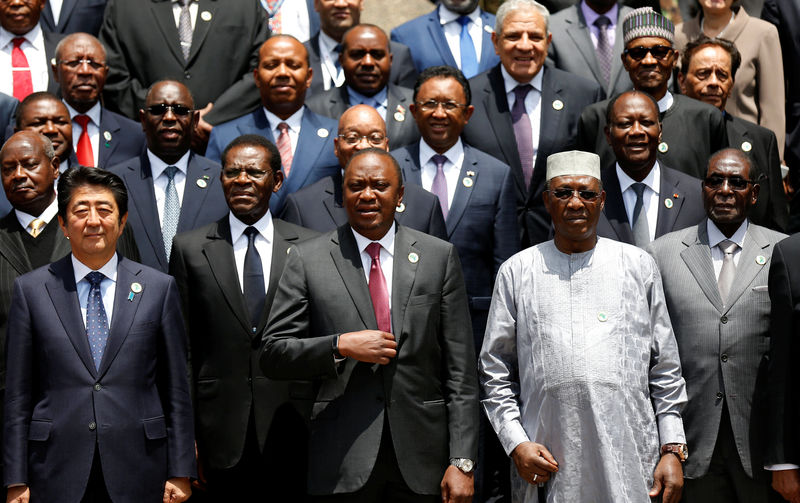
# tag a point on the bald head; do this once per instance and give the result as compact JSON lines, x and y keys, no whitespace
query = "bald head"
{"x":360,"y":127}
{"x":283,"y":75}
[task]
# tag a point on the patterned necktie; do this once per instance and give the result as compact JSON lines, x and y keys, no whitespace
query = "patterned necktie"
{"x":172,"y":210}
{"x":728,"y":271}
{"x":273,"y":8}
{"x":23,"y":82}
{"x":96,"y":319}
{"x":185,"y":28}
{"x":603,"y":47}
{"x":285,"y":148}
{"x":522,"y":131}
{"x":641,"y":229}
{"x":377,"y":289}
{"x":253,"y":278}
{"x":469,"y":60}
{"x":84,"y":153}
{"x":35,"y":227}
{"x":439,"y":185}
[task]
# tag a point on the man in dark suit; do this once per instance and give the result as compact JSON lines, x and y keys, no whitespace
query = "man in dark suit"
{"x":111,"y":328}
{"x":73,"y":16}
{"x":304,"y":138}
{"x":645,"y":198}
{"x":690,"y":130}
{"x":8,"y":113}
{"x":366,"y":62}
{"x":523,"y":131}
{"x":248,"y":432}
{"x":715,"y":283}
{"x":46,"y":114}
{"x":708,"y":67}
{"x":324,"y":47}
{"x":176,"y":190}
{"x":101,"y":137}
{"x":320,"y":206}
{"x":377,"y":315}
{"x":456,"y":33}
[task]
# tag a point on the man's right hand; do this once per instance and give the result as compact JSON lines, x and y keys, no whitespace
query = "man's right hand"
{"x":371,"y":346}
{"x":534,"y":459}
{"x":787,"y":483}
{"x":18,"y":494}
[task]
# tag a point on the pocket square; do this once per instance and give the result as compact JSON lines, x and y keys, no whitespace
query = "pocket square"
{"x":762,"y":288}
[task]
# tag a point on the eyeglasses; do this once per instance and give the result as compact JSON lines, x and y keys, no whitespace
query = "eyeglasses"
{"x":432,"y":105}
{"x":253,"y":174}
{"x":734,"y":182}
{"x":567,"y":194}
{"x":75,"y":63}
{"x":659,"y":52}
{"x":161,"y":109}
{"x":374,"y":139}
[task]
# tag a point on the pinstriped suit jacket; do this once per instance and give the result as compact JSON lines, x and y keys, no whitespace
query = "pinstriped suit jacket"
{"x":721,"y":347}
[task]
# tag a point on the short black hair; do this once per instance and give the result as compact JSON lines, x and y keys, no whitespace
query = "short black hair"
{"x":366,"y":25}
{"x":255,"y":140}
{"x":613,"y":101}
{"x":737,"y":154}
{"x":33,"y":98}
{"x":443,"y":71}
{"x":697,"y":44}
{"x":381,"y":153}
{"x":81,"y":176}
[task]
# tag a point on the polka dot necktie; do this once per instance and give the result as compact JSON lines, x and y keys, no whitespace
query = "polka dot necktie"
{"x":96,"y":319}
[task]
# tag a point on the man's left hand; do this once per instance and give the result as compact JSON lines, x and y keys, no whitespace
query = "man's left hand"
{"x":669,"y":478}
{"x":202,"y":130}
{"x":177,"y":490}
{"x":457,"y":486}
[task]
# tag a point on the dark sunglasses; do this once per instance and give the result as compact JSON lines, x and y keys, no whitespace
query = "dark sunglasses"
{"x":161,"y":109}
{"x":659,"y":52}
{"x":566,"y":194}
{"x":734,"y":182}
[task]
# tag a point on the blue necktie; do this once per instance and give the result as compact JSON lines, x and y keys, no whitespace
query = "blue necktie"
{"x":172,"y":210}
{"x":469,"y":61}
{"x":96,"y":319}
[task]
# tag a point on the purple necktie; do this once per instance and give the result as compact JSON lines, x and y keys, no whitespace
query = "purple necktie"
{"x":377,"y":289}
{"x":439,"y":185}
{"x":522,"y":131}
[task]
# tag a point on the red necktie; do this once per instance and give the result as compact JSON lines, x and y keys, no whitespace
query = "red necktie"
{"x":84,"y":153}
{"x":23,"y":84}
{"x":285,"y":148}
{"x":378,"y":290}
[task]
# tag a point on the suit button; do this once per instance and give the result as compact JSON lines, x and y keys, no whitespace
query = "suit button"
{"x":187,"y":75}
{"x":92,"y":426}
{"x":379,"y":399}
{"x":249,"y":381}
{"x":724,"y":319}
{"x":98,"y":387}
{"x":720,"y":396}
{"x":724,"y":357}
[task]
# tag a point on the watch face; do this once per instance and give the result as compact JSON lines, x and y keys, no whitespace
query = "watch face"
{"x":468,"y":465}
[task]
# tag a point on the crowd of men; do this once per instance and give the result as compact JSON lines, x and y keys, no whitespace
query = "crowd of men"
{"x":259,"y":250}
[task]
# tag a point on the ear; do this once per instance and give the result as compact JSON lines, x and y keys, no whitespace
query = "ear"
{"x":682,"y":82}
{"x":278,"y":181}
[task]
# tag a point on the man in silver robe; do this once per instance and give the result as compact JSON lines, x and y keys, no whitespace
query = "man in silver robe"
{"x":579,"y":364}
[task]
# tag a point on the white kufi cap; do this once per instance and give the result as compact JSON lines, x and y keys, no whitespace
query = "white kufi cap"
{"x":573,"y":163}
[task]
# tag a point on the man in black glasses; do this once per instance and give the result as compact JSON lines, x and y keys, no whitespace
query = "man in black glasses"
{"x":691,"y":130}
{"x":172,"y":189}
{"x":100,"y":138}
{"x":645,"y":198}
{"x":715,"y":280}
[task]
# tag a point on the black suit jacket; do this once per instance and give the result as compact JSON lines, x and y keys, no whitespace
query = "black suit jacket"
{"x":684,"y":209}
{"x":402,"y":74}
{"x":428,"y":393}
{"x":8,"y":114}
{"x":76,"y":16}
{"x":490,"y":129}
{"x":230,"y":35}
{"x":319,"y":207}
{"x":51,"y":41}
{"x":126,"y":139}
{"x":334,"y":102}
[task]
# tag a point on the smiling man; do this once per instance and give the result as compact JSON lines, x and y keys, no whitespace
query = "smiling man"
{"x":45,"y":114}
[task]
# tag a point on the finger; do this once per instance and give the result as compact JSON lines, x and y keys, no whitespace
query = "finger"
{"x":669,"y":494}
{"x":389,"y":353}
{"x":656,"y":488}
{"x":544,"y":453}
{"x":387,"y":335}
{"x":166,"y":497}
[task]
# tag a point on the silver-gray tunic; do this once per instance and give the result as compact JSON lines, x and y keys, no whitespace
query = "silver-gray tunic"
{"x":579,"y":356}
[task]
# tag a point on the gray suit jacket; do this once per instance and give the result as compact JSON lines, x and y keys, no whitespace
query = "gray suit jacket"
{"x":723,"y":349}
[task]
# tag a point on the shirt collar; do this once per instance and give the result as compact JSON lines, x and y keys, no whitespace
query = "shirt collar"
{"x":356,"y":97}
{"x":326,"y":43}
{"x":511,"y":83}
{"x":715,"y":236}
{"x":47,"y":215}
{"x":109,"y":270}
{"x":387,"y":241}
{"x":34,"y":37}
{"x":293,"y":121}
{"x":665,"y":103}
{"x":652,"y":180}
{"x":455,"y":153}
{"x":157,"y":166}
{"x":591,"y":16}
{"x":263,"y":226}
{"x":448,"y":16}
{"x":93,"y":113}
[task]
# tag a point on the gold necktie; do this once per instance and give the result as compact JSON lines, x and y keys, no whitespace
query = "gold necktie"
{"x":36,"y":227}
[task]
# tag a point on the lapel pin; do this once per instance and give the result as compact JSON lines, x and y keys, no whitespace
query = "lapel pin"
{"x":467,"y":181}
{"x":107,"y":135}
{"x":205,"y":15}
{"x":663,"y":147}
{"x":558,"y":105}
{"x":413,"y":257}
{"x":602,"y":316}
{"x":488,"y":29}
{"x":676,"y":196}
{"x":130,"y":297}
{"x":322,"y":132}
{"x":401,"y":207}
{"x":668,"y":203}
{"x":202,"y":183}
{"x":400,"y":113}
{"x":470,"y":173}
{"x":761,"y":260}
{"x":747,"y":146}
{"x":136,"y":287}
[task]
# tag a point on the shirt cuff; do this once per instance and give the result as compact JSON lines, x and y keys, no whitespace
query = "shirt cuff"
{"x":670,"y":429}
{"x":781,"y":467}
{"x":511,"y":435}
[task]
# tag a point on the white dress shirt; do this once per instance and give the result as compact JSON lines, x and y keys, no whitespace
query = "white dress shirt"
{"x":108,"y":286}
{"x":387,"y":256}
{"x":55,"y":6}
{"x":451,"y":168}
{"x":649,"y":197}
{"x":93,"y":129}
{"x":715,"y":237}
{"x":160,"y":180}
{"x":331,"y":77}
{"x":452,"y":31}
{"x":665,"y":103}
{"x":294,"y":19}
{"x":294,"y":122}
{"x":263,"y":242}
{"x":33,"y":47}
{"x":591,"y":16}
{"x":176,"y":12}
{"x":533,"y":104}
{"x":47,"y":215}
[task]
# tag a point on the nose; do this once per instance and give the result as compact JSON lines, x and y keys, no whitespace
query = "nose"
{"x":439,"y":110}
{"x":525,"y":43}
{"x":169,"y":114}
{"x":49,"y":128}
{"x":84,"y":67}
{"x":242,"y":178}
{"x":649,"y":59}
{"x":93,"y":217}
{"x":362,"y":143}
{"x":18,"y":173}
{"x":340,"y":3}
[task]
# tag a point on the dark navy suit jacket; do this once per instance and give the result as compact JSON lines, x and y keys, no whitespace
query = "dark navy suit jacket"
{"x":126,"y":139}
{"x":76,"y":16}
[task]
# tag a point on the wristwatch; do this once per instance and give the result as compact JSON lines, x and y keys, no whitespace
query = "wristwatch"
{"x":679,"y":450}
{"x":464,"y":464}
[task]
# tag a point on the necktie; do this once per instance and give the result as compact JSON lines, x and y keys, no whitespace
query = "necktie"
{"x":273,"y":8}
{"x":23,"y":83}
{"x":36,"y":227}
{"x":641,"y":230}
{"x":338,"y":64}
{"x":172,"y":210}
{"x":439,"y":185}
{"x":522,"y":131}
{"x":253,"y":278}
{"x":603,"y":47}
{"x":185,"y":28}
{"x":84,"y":153}
{"x":96,"y":319}
{"x":469,"y":60}
{"x":377,"y":289}
{"x":285,"y":148}
{"x":728,"y":271}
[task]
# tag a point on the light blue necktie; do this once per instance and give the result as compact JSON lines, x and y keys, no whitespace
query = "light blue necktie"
{"x":96,"y":319}
{"x":469,"y":60}
{"x":172,"y":210}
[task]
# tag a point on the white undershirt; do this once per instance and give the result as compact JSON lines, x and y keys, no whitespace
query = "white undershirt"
{"x":47,"y":215}
{"x":387,"y":256}
{"x":176,"y":12}
{"x":715,"y":237}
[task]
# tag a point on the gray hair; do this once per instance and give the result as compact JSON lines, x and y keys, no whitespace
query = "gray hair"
{"x":75,"y":36}
{"x":49,"y":151}
{"x":512,"y":5}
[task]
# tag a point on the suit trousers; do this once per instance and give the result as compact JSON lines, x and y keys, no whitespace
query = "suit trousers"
{"x":96,"y":491}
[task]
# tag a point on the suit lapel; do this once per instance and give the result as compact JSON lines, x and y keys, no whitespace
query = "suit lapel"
{"x":409,"y":165}
{"x":164,"y":19}
{"x":201,"y":26}
{"x":333,"y":201}
{"x":67,"y":8}
{"x":487,"y":48}
{"x":394,"y":100}
{"x":61,"y":246}
{"x":463,"y":193}
{"x":282,"y":241}
{"x":697,"y":257}
{"x":616,"y":63}
{"x":193,"y":194}
{"x":668,"y":214}
{"x":403,"y":276}
{"x":549,"y":124}
{"x":579,"y":33}
{"x":614,"y":209}
{"x":347,"y":259}
{"x":439,"y":41}
{"x":11,"y":247}
{"x":218,"y":250}
{"x":496,"y":104}
{"x":141,"y":184}
{"x":124,"y":310}
{"x":755,"y":245}
{"x":109,"y":127}
{"x":47,"y":17}
{"x":257,"y":124}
